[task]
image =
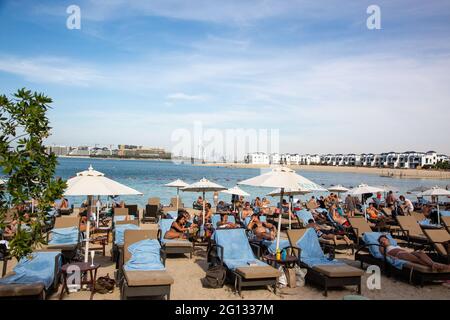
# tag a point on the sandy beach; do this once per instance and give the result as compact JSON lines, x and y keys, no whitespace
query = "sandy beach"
{"x":187,"y":274}
{"x":394,"y":173}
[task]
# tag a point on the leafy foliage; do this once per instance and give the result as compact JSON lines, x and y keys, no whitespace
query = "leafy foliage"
{"x":28,"y":167}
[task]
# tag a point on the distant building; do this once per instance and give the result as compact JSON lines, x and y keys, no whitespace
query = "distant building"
{"x":257,"y":158}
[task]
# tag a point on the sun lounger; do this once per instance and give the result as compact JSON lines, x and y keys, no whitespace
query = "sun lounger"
{"x":321,"y":270}
{"x":411,"y":230}
{"x":65,"y":236}
{"x":440,"y":239}
{"x":173,"y":246}
{"x":144,"y":273}
{"x":415,"y":273}
{"x":118,"y":238}
{"x":446,"y":222}
{"x":32,"y":278}
{"x":233,"y":250}
{"x":151,"y":213}
{"x":133,"y":210}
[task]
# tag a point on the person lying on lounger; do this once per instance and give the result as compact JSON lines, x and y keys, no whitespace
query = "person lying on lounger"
{"x":326,"y":232}
{"x":247,"y":211}
{"x":419,"y":257}
{"x":373,"y":213}
{"x":178,"y":229}
{"x":337,"y":217}
{"x":262,"y":230}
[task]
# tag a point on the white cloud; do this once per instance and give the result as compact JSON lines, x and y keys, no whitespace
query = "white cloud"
{"x":186,"y":97}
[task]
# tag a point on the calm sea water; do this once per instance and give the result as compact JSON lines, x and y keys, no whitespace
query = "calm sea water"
{"x":149,"y":178}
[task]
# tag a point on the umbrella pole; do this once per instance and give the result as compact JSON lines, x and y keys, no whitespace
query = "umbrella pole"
{"x":178,"y":192}
{"x":438,"y":213}
{"x":279,"y":221}
{"x":88,"y":226}
{"x":203,"y":213}
{"x":289,"y":213}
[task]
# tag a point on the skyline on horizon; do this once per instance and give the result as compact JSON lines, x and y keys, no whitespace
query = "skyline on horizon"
{"x":136,"y":72}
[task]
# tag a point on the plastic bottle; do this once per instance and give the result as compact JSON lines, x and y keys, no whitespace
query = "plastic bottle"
{"x":283,"y":255}
{"x":278,"y":255}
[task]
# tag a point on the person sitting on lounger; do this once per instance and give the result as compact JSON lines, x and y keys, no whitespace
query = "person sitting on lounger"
{"x":373,"y":213}
{"x":326,"y":232}
{"x":247,"y":211}
{"x":418,"y":257}
{"x":262,"y":230}
{"x":178,"y":229}
{"x":342,"y":221}
{"x":225,"y":224}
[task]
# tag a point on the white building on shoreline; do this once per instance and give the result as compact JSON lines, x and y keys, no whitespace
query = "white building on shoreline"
{"x":405,"y":160}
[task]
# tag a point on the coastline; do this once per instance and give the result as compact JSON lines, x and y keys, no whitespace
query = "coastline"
{"x":391,"y":173}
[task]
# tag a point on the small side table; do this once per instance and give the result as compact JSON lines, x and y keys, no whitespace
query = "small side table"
{"x":84,"y":267}
{"x":289,"y":262}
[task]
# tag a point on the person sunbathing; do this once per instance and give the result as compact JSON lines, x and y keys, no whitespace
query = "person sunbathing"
{"x":178,"y":229}
{"x":373,"y":213}
{"x":418,"y":257}
{"x":342,"y":221}
{"x":326,"y":232}
{"x":225,"y":224}
{"x":262,"y":230}
{"x":247,"y":211}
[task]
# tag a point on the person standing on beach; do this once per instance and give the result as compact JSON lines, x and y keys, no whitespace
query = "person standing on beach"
{"x":350,"y":205}
{"x":407,"y":206}
{"x":216,"y":198}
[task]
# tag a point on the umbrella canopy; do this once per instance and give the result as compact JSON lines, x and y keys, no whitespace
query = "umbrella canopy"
{"x":177,"y":184}
{"x":94,"y":183}
{"x":287,"y":192}
{"x":283,"y":177}
{"x":204,"y":185}
{"x":338,"y":188}
{"x":364,"y":189}
{"x":435,"y":191}
{"x":236,"y":191}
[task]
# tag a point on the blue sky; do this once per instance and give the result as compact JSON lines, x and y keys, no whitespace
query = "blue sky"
{"x":138,"y":70}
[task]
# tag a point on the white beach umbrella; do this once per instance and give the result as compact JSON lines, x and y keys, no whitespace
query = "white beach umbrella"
{"x":94,"y":183}
{"x":91,"y":182}
{"x":236,"y":191}
{"x":177,"y":184}
{"x":436,"y":192}
{"x":338,"y":189}
{"x":283,"y":178}
{"x":204,"y":185}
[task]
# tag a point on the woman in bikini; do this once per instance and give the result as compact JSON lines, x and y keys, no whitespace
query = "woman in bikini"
{"x":177,"y":229}
{"x":418,"y":257}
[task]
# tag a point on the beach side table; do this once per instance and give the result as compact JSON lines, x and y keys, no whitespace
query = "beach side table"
{"x":84,"y":267}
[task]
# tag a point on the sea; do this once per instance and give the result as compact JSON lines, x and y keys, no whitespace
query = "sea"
{"x":150,"y":176}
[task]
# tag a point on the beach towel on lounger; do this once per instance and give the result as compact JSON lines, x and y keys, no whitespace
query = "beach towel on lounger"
{"x":123,"y":218}
{"x":64,"y":236}
{"x":311,"y":253}
{"x":119,"y":232}
{"x":427,"y":223}
{"x":304,"y":215}
{"x":445,"y":213}
{"x":272,"y":245}
{"x":38,"y":269}
{"x":145,"y":256}
{"x":371,"y":238}
{"x":237,"y":251}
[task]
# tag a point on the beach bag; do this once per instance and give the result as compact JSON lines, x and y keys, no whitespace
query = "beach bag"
{"x":215,"y":277}
{"x":105,"y":284}
{"x":282,"y":279}
{"x":300,"y":274}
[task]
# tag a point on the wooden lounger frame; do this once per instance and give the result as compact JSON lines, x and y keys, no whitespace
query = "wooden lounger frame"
{"x":126,"y":292}
{"x":315,"y":276}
